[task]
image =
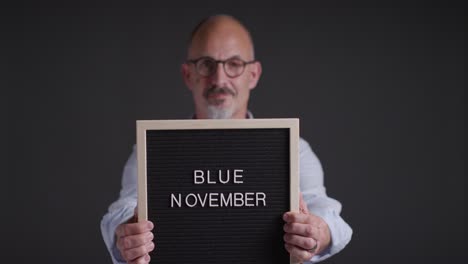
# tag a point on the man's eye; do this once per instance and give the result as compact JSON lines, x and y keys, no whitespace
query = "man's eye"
{"x":234,"y":63}
{"x":207,"y":63}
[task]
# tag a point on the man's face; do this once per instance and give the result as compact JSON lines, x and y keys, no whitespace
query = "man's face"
{"x":219,"y":95}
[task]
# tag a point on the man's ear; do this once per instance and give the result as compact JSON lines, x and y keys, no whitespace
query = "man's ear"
{"x":254,"y":74}
{"x":186,"y":75}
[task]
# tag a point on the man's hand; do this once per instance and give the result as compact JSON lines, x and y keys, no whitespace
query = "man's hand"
{"x":135,"y":241}
{"x":305,"y":234}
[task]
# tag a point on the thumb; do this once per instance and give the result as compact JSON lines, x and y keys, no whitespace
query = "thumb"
{"x":302,"y":205}
{"x":134,"y":219}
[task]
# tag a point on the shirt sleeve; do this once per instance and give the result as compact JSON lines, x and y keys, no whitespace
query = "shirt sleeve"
{"x":122,"y":209}
{"x":318,"y":203}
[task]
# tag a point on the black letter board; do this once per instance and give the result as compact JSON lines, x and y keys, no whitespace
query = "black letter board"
{"x":216,"y":190}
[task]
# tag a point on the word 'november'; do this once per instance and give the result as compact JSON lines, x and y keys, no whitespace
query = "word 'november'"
{"x":218,"y":199}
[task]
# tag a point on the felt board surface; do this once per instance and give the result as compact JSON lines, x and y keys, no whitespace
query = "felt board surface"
{"x":191,"y":231}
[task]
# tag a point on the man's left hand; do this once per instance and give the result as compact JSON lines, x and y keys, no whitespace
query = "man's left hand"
{"x":305,"y":234}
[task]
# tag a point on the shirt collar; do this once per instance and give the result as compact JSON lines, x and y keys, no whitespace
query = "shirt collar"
{"x":249,"y":115}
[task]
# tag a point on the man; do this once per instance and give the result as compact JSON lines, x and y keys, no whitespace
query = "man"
{"x":220,"y":71}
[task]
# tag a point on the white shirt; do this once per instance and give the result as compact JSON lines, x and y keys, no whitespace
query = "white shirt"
{"x":311,"y":186}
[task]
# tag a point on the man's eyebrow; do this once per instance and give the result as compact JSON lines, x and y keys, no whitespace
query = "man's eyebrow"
{"x":235,"y":57}
{"x":200,"y":58}
{"x":209,"y":57}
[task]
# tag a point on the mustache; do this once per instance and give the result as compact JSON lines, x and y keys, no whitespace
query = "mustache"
{"x":219,"y":90}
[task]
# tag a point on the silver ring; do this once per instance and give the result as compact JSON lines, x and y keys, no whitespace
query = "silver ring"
{"x":312,"y":250}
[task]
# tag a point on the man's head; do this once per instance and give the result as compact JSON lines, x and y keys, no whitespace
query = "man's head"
{"x":221,"y":69}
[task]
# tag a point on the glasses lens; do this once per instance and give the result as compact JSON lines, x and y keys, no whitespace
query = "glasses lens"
{"x":234,"y":67}
{"x":206,"y":66}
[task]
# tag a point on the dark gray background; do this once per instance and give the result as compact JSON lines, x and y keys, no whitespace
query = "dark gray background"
{"x":379,"y":92}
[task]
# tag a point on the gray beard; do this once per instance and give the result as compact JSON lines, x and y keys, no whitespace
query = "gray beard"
{"x":217,"y":113}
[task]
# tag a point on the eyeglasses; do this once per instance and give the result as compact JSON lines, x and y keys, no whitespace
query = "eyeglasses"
{"x":233,"y":67}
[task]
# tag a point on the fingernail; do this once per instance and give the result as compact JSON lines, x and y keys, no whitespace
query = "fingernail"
{"x":285,"y":217}
{"x":147,"y":258}
{"x":150,"y":235}
{"x":150,"y":225}
{"x":150,"y":246}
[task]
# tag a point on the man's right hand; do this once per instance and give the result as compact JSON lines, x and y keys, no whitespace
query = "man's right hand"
{"x":135,"y":241}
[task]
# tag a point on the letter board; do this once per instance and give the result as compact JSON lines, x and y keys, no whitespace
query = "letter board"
{"x":216,"y":190}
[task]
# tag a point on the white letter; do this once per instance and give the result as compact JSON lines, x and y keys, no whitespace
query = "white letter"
{"x":263,"y":198}
{"x":227,"y":178}
{"x":238,"y":176}
{"x":198,"y":174}
{"x":208,"y":177}
{"x":248,"y":198}
{"x":173,"y":198}
{"x":202,"y":202}
{"x":238,"y":199}
{"x":214,"y":199}
{"x":194,"y":200}
{"x":227,"y":202}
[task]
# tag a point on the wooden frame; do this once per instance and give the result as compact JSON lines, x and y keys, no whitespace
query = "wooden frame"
{"x":145,"y":125}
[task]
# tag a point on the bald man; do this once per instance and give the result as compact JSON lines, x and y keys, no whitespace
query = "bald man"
{"x":220,"y":71}
{"x":221,"y":92}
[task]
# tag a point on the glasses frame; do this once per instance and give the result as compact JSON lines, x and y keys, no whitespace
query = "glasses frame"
{"x":244,"y":63}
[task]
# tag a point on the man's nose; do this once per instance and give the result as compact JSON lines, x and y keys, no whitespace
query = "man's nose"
{"x":219,"y":77}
